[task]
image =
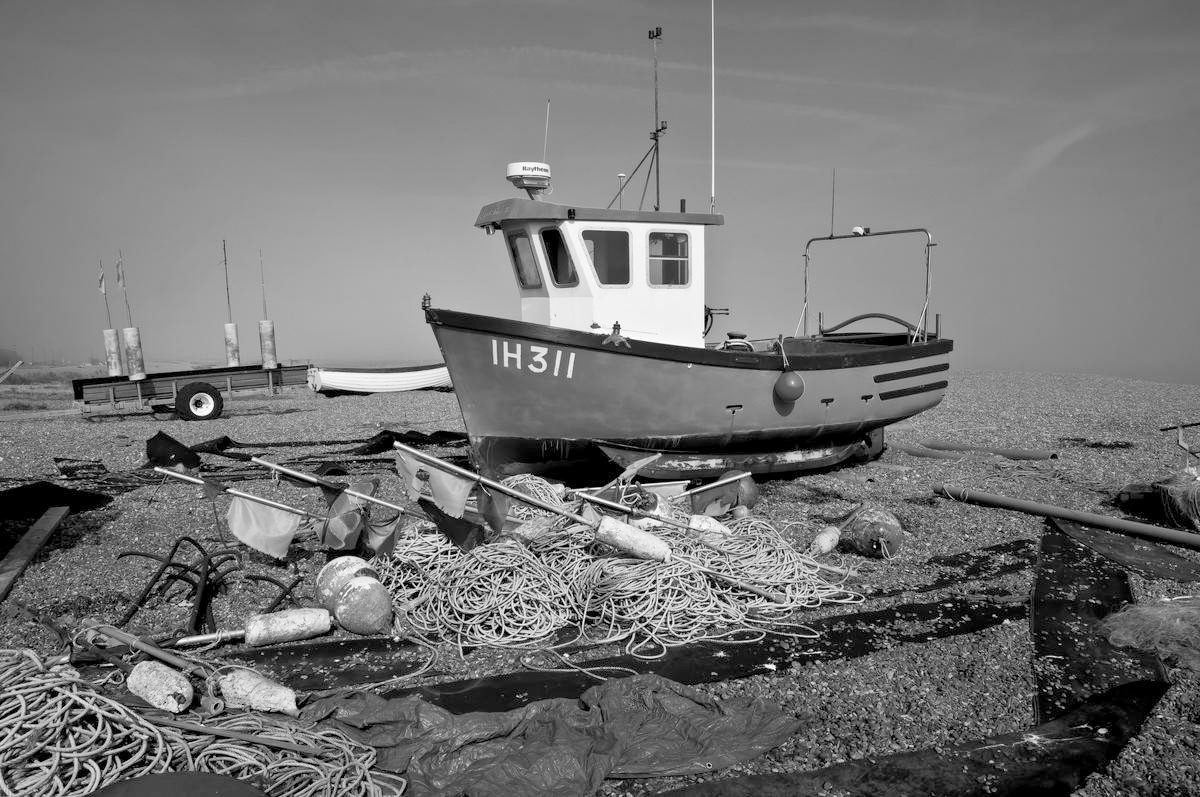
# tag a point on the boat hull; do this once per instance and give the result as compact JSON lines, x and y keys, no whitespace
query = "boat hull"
{"x":534,"y":396}
{"x":377,"y":380}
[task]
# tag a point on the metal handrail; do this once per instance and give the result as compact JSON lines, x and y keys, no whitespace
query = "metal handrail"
{"x":919,"y":332}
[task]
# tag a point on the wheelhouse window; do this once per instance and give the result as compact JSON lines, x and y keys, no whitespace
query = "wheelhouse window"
{"x":562,"y":270}
{"x":668,"y":258}
{"x":523,"y":260}
{"x":609,"y":252}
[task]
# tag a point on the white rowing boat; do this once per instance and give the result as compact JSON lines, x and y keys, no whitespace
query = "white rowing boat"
{"x":335,"y":381}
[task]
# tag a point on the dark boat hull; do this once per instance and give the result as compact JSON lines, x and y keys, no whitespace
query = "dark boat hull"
{"x":534,"y":396}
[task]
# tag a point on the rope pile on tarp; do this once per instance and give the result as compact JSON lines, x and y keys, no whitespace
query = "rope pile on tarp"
{"x":520,"y":589}
{"x":60,"y":737}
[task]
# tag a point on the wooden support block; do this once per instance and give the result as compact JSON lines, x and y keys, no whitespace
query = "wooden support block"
{"x":27,"y":547}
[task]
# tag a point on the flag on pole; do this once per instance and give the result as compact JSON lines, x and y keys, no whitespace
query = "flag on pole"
{"x":408,"y":468}
{"x":102,"y":290}
{"x":346,"y":518}
{"x":263,"y":528}
{"x":381,"y":535}
{"x":450,"y":491}
{"x":120,"y":273}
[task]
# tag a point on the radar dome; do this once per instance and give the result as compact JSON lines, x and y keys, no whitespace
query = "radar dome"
{"x":531,"y":176}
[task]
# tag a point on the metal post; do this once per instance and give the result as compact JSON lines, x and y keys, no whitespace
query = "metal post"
{"x":655,"y":35}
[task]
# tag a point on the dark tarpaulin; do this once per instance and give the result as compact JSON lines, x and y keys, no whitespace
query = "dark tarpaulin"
{"x":1049,"y":760}
{"x":165,"y":451}
{"x":31,"y":500}
{"x":636,"y":727}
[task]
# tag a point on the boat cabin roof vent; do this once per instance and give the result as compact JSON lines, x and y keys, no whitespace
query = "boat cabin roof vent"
{"x":531,"y":176}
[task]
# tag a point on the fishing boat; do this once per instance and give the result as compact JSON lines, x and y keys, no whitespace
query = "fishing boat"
{"x":362,"y":381}
{"x":608,"y":360}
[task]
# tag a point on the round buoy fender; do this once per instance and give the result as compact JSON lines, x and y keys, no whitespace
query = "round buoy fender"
{"x":789,"y":386}
{"x":335,"y":574}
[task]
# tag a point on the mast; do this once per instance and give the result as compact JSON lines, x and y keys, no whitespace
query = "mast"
{"x":659,"y":127}
{"x":712,"y":106}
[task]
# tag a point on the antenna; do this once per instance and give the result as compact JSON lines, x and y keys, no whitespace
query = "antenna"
{"x":225,"y":260}
{"x":712,"y":56}
{"x":262,"y":279}
{"x":659,"y":127}
{"x":546,"y":139}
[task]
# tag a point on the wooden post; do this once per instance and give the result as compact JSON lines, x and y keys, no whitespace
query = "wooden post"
{"x":27,"y":547}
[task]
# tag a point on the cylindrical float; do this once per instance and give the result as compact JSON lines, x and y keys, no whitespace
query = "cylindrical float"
{"x":133,"y":353}
{"x":266,"y":339}
{"x":247,"y":689}
{"x":286,"y":626}
{"x":160,"y":686}
{"x":233,"y":355}
{"x":112,"y":352}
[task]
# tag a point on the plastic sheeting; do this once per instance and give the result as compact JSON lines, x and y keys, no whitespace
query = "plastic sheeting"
{"x":636,"y":727}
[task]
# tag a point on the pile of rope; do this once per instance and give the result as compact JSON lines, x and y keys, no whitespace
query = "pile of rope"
{"x":519,"y":591}
{"x":60,"y":737}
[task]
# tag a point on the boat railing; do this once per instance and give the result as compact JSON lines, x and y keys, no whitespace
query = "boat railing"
{"x":918,"y":331}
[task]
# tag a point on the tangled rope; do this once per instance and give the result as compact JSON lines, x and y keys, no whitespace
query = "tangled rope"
{"x":550,"y":573}
{"x":59,"y":737}
{"x":534,"y":487}
{"x":498,"y":595}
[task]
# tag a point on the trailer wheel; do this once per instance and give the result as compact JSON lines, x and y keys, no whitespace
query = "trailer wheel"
{"x":199,"y":401}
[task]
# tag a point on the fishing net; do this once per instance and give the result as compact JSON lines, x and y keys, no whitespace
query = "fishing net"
{"x":1170,"y":629}
{"x":1180,"y":497}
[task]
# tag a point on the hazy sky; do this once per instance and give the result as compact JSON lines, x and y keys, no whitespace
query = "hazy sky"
{"x":1050,"y":146}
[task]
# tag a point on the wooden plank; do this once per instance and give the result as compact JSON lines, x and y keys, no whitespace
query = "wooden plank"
{"x":27,"y":547}
{"x":8,"y":373}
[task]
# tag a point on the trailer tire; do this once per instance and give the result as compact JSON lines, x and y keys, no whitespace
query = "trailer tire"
{"x":198,"y":401}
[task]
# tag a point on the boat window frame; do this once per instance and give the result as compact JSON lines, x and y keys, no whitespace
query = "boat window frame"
{"x":510,"y":237}
{"x":686,"y":259}
{"x":566,"y":250}
{"x":589,"y":251}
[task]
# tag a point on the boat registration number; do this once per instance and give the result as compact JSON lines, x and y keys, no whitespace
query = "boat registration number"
{"x":532,"y":358}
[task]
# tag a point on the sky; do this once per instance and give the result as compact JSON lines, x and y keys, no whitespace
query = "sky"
{"x":1049,"y":146}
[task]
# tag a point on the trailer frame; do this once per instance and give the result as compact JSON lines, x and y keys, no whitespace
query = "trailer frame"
{"x":118,"y":392}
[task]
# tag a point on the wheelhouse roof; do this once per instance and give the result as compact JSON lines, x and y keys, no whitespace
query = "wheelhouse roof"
{"x":521,"y":209}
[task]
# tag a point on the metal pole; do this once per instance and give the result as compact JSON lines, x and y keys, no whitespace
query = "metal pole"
{"x":261,"y":277}
{"x":225,"y":259}
{"x":450,"y":467}
{"x":317,"y":480}
{"x":104,"y":290}
{"x":712,"y":106}
{"x":1173,"y":536}
{"x":238,"y":493}
{"x":655,"y":35}
{"x":124,"y":290}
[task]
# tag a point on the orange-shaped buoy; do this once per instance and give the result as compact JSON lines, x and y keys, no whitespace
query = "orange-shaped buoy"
{"x":789,"y":386}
